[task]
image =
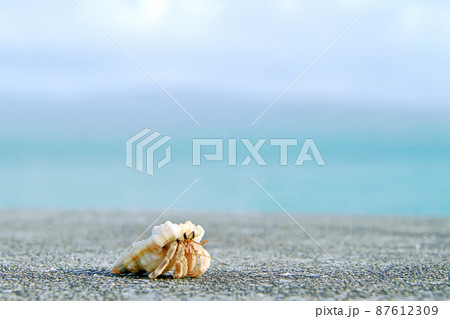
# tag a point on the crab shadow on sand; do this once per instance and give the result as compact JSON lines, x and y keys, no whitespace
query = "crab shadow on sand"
{"x":106,"y":272}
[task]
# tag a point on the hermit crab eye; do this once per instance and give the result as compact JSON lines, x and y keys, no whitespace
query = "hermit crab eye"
{"x":192,"y":235}
{"x":185,"y":236}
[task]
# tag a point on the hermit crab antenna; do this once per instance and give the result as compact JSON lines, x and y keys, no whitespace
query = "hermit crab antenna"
{"x":198,"y":254}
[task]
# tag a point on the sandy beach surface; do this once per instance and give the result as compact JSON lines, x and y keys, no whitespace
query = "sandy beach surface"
{"x":66,"y":256}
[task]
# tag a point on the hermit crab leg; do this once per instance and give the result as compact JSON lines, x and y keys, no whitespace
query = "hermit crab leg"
{"x":192,"y":259}
{"x":180,"y":263}
{"x":185,"y":267}
{"x":170,"y":254}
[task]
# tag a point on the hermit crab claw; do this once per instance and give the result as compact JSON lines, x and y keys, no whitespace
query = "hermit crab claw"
{"x":203,"y":265}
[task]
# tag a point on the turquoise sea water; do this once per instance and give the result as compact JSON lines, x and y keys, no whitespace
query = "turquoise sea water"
{"x":376,"y":163}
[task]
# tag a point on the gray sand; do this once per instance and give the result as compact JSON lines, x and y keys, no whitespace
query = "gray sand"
{"x":65,"y":256}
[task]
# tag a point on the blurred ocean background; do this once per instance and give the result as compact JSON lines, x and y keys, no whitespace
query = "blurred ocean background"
{"x":377,"y":104}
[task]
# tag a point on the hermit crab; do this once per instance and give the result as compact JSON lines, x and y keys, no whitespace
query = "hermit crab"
{"x":170,"y":247}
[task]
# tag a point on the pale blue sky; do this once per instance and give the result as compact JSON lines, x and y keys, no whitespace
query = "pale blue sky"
{"x":399,"y":53}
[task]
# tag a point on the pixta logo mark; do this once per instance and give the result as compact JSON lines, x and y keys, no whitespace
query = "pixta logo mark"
{"x":141,"y":149}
